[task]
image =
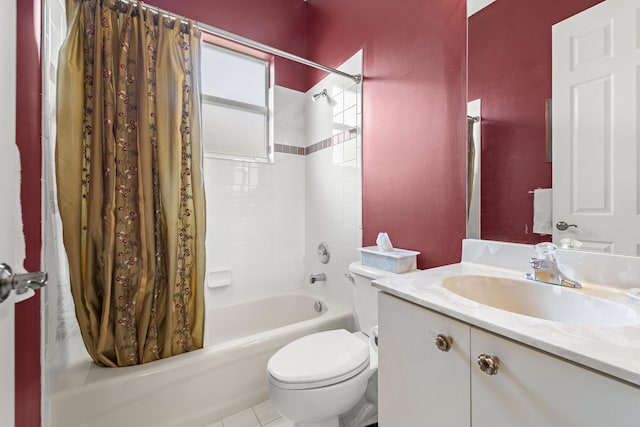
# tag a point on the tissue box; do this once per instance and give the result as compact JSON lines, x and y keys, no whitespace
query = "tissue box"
{"x":398,"y":261}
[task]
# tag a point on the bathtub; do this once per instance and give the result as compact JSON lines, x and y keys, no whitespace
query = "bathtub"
{"x":200,"y":387}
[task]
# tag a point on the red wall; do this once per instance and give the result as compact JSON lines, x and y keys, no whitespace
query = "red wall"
{"x":277,"y":23}
{"x":509,"y":56}
{"x":414,"y":104}
{"x":28,"y":127}
{"x":414,"y":100}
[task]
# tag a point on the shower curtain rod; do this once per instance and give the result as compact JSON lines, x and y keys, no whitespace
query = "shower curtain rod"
{"x":254,"y":44}
{"x":272,"y":50}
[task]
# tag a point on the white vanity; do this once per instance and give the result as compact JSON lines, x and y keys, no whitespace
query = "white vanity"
{"x":449,"y":360}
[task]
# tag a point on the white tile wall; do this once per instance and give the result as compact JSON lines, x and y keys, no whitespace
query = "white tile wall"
{"x":265,"y":220}
{"x":256,"y":214}
{"x":334,"y":181}
{"x":290,"y":120}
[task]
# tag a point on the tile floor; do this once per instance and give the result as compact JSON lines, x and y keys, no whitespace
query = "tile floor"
{"x":260,"y":415}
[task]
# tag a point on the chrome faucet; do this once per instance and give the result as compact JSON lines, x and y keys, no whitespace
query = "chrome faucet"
{"x":545,"y":267}
{"x":317,"y":278}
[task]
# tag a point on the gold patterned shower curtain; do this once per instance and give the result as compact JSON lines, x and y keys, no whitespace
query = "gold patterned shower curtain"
{"x":130,"y":190}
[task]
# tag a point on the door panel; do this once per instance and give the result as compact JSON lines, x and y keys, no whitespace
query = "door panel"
{"x":12,"y":249}
{"x":591,"y":148}
{"x":7,"y":383}
{"x":596,"y":69}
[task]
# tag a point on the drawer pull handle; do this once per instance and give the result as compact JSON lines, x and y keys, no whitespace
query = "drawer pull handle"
{"x":443,"y":342}
{"x":488,"y":363}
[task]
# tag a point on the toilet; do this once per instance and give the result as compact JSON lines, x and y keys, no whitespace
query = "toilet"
{"x":330,"y":378}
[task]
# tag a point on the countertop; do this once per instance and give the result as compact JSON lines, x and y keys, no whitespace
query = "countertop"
{"x":614,"y":351}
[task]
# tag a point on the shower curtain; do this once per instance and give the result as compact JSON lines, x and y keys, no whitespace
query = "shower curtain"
{"x":130,"y":190}
{"x":471,"y":162}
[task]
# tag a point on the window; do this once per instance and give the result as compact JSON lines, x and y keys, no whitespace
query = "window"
{"x":236,"y":105}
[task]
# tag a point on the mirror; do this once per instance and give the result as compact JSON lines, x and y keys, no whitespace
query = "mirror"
{"x":509,"y":84}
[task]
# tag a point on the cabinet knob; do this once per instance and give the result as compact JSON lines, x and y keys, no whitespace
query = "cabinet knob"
{"x":488,"y":363}
{"x":443,"y":342}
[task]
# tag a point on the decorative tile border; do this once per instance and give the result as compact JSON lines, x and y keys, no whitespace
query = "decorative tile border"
{"x":290,"y":149}
{"x":339,"y":138}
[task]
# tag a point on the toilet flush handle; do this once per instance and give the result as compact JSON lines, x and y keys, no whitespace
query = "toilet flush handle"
{"x":373,"y":337}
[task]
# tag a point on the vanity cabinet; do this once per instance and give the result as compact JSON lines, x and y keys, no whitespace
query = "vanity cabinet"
{"x":420,"y":385}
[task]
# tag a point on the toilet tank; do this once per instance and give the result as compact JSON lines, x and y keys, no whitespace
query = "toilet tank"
{"x":365,"y":296}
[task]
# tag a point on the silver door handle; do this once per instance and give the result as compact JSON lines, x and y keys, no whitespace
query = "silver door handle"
{"x":20,"y":283}
{"x":562,"y":225}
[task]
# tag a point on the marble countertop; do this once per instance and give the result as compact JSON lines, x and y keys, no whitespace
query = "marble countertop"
{"x":612,"y":350}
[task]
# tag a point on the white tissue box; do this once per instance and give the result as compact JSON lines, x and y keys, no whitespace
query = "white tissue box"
{"x":396,"y":261}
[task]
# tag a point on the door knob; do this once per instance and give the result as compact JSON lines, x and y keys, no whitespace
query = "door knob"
{"x":562,"y":225}
{"x":19,"y":283}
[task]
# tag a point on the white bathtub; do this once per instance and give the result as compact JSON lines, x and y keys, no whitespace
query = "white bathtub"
{"x":200,"y":387}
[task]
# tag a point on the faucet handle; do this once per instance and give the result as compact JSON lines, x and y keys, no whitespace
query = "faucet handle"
{"x":545,"y":248}
{"x":536,"y":262}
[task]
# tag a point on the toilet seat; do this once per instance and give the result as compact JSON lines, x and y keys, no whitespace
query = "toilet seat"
{"x":318,"y":384}
{"x":319,"y":360}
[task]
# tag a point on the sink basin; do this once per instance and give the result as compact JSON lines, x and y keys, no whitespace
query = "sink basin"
{"x":541,"y":300}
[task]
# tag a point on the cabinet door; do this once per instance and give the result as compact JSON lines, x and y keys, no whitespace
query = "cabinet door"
{"x":419,"y":384}
{"x":532,"y":388}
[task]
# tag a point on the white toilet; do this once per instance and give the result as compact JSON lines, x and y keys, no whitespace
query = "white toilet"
{"x":322,"y":378}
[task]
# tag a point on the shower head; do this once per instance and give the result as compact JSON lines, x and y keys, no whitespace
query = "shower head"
{"x":319,"y":95}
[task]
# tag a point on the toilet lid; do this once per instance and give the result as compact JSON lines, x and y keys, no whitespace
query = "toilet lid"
{"x":320,"y":357}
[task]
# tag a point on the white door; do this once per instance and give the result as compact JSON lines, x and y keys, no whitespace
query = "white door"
{"x":596,"y":55}
{"x":12,"y":247}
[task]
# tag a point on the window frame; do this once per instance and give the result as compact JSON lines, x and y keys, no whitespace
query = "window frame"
{"x":267,"y":61}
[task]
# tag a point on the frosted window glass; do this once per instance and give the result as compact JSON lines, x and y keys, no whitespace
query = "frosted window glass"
{"x":233,"y":76}
{"x":233,"y":132}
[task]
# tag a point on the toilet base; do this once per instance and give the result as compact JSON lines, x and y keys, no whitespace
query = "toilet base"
{"x":363,"y":414}
{"x":319,"y":407}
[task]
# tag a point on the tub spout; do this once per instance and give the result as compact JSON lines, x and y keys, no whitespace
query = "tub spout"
{"x":317,"y":278}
